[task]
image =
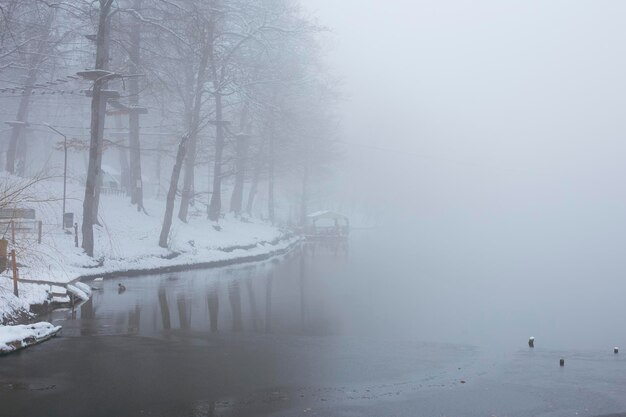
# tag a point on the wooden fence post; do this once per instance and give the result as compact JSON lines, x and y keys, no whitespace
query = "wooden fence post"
{"x":13,"y":232}
{"x":4,"y":258}
{"x":15,"y":277}
{"x":39,"y":227}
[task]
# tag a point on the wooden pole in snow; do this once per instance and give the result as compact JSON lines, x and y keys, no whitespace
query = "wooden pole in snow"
{"x":15,"y":277}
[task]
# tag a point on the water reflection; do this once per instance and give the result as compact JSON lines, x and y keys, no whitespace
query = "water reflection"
{"x":302,"y":274}
{"x":268,"y":302}
{"x":220,"y":361}
{"x":213,"y":302}
{"x":165,"y":310}
{"x":87,"y":314}
{"x":279,"y":297}
{"x":134,"y":318}
{"x":254,"y":313}
{"x":234,"y":295}
{"x":184,"y":314}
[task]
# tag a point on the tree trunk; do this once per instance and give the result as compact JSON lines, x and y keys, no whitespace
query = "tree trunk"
{"x":270,"y":186}
{"x":188,"y":180}
{"x":255,"y":183}
{"x":136,"y":184}
{"x":241,"y":150}
{"x":215,"y":207}
{"x":256,"y":178}
{"x":17,"y":133}
{"x":236,"y":199}
{"x":90,"y":202}
{"x":190,"y":162}
{"x":123,"y":154}
{"x":171,"y":194}
{"x":101,"y":120}
{"x":21,"y":151}
{"x":157,"y":167}
{"x":305,"y":193}
{"x":16,"y":152}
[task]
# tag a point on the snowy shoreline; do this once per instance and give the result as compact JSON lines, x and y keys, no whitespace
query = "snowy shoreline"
{"x":279,"y":247}
{"x":39,"y":304}
{"x":15,"y":338}
{"x":126,"y":245}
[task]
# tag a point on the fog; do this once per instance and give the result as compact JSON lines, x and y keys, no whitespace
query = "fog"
{"x":478,"y":147}
{"x":278,"y":207}
{"x":487,"y":137}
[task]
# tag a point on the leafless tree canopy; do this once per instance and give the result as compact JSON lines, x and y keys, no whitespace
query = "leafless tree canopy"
{"x":244,"y":81}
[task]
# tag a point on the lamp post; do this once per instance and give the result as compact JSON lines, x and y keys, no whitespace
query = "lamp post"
{"x":64,"y":170}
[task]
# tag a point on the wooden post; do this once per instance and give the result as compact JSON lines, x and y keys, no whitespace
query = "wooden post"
{"x":15,"y":289}
{"x":76,"y":234}
{"x":39,"y":227}
{"x":13,"y":232}
{"x":4,"y":244}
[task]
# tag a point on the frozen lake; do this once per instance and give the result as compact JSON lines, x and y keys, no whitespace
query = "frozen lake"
{"x":367,"y":328}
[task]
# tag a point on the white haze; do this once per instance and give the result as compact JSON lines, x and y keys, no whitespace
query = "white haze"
{"x":488,"y":136}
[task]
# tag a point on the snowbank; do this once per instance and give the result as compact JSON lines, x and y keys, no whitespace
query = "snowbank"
{"x":13,"y":308}
{"x":13,"y":338}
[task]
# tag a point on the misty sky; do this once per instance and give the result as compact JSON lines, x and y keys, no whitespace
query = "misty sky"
{"x":507,"y":122}
{"x":490,"y":95}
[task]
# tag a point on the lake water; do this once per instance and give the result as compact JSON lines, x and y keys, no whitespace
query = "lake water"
{"x":367,"y":327}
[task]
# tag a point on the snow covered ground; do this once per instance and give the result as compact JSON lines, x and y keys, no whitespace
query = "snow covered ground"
{"x":126,"y":241}
{"x":13,"y":338}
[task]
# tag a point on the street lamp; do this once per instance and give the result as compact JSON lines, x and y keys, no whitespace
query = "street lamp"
{"x":64,"y":170}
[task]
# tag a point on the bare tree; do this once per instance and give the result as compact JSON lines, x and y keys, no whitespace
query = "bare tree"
{"x":98,"y":105}
{"x":171,"y":194}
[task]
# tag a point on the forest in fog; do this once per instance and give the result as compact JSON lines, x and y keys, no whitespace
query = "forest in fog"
{"x":213,"y":106}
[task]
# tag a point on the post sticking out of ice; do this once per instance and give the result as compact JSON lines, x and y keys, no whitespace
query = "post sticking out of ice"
{"x":616,"y":350}
{"x":562,"y":362}
{"x":531,"y":342}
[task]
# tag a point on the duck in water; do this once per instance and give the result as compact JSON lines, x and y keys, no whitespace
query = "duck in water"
{"x":120,"y":288}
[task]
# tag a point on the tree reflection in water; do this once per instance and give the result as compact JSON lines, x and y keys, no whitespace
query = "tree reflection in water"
{"x":234,"y":295}
{"x":213,"y":302}
{"x":289,"y":294}
{"x":165,"y":309}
